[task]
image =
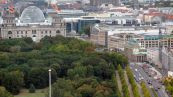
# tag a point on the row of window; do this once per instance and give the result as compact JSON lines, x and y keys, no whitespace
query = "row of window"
{"x":32,"y":36}
{"x":9,"y":21}
{"x":33,"y":32}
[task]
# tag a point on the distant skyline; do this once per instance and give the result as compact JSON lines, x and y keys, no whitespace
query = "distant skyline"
{"x":84,"y":1}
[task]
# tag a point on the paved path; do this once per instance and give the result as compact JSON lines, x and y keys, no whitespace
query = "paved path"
{"x":119,"y":83}
{"x":140,"y":90}
{"x":129,"y":85}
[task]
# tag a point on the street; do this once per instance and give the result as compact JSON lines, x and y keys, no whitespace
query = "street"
{"x":141,"y":75}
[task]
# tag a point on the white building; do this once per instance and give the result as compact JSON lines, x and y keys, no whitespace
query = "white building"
{"x":153,"y":56}
{"x":167,"y":59}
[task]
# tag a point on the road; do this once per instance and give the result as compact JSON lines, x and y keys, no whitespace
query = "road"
{"x":140,"y":73}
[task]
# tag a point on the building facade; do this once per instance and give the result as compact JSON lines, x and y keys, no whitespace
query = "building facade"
{"x":135,"y":54}
{"x":32,"y":23}
{"x":167,"y":59}
{"x":99,"y":2}
{"x":155,"y":41}
{"x":98,"y":36}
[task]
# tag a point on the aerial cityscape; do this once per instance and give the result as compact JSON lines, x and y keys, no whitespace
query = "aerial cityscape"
{"x":86,"y":48}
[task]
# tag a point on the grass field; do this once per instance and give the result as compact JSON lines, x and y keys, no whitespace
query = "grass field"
{"x":25,"y":93}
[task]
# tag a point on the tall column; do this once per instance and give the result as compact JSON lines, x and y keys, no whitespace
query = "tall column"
{"x":50,"y":88}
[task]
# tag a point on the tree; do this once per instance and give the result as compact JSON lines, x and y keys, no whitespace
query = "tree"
{"x":4,"y":60}
{"x":13,"y":81}
{"x":103,"y":71}
{"x":115,"y":85}
{"x":86,"y":90}
{"x":81,"y":71}
{"x":132,"y":82}
{"x":123,"y":82}
{"x":28,"y":40}
{"x":84,"y":71}
{"x":145,"y":90}
{"x":62,"y":88}
{"x":15,"y":49}
{"x":31,"y":88}
{"x":1,"y":76}
{"x":39,"y":77}
{"x":4,"y":92}
{"x":57,"y":68}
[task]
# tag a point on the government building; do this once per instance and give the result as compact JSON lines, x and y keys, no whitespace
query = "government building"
{"x":31,"y":23}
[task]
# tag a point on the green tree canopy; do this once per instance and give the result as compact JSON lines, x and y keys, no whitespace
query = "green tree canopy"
{"x":4,"y":92}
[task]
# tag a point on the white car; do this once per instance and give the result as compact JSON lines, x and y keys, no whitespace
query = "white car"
{"x":136,"y":69}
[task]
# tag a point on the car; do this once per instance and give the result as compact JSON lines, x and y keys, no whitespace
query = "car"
{"x":136,"y":69}
{"x":159,"y":86}
{"x":137,"y":80}
{"x":134,"y":76}
{"x":161,"y":82}
{"x":155,"y":89}
{"x":149,"y":82}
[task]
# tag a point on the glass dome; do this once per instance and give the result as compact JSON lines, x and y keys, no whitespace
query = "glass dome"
{"x":156,"y":19}
{"x":32,"y":14}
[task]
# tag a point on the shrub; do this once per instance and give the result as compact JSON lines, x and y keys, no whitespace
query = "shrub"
{"x":31,"y":88}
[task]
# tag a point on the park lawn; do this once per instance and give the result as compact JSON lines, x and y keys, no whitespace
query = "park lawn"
{"x":25,"y":93}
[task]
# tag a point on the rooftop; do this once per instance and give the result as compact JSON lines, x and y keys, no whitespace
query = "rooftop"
{"x":32,"y":14}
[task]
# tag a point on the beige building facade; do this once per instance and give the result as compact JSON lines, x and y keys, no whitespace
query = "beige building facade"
{"x":28,"y":26}
{"x":98,"y":36}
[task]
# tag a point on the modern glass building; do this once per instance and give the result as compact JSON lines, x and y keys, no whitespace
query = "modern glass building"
{"x":80,"y":24}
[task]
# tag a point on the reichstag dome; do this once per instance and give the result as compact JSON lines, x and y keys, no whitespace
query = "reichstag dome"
{"x":32,"y":14}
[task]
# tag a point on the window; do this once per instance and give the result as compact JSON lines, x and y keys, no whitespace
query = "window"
{"x":46,"y":32}
{"x":17,"y":32}
{"x":21,"y":32}
{"x":25,"y":32}
{"x":57,"y":31}
{"x":9,"y":32}
{"x":41,"y":32}
{"x":50,"y":32}
{"x":33,"y":31}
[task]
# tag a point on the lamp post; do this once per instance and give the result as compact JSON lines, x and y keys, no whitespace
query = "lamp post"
{"x":50,"y":83}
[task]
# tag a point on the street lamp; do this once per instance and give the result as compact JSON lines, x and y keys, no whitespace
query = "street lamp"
{"x":50,"y":83}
